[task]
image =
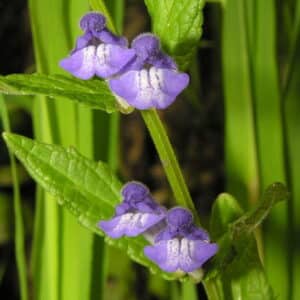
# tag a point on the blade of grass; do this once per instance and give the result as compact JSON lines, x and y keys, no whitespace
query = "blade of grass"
{"x":241,"y":164}
{"x":189,"y":291}
{"x":270,"y":144}
{"x":240,"y":147}
{"x":18,"y":217}
{"x":250,"y":23}
{"x":291,"y":110}
{"x":116,"y":9}
{"x":174,"y":291}
{"x":84,"y":127}
{"x":45,"y":263}
{"x":71,"y":246}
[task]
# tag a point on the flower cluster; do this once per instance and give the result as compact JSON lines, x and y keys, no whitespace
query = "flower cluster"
{"x":142,"y":75}
{"x":177,"y":244}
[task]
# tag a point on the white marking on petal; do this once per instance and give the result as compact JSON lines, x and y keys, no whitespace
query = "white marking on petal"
{"x":143,"y":219}
{"x":156,"y":78}
{"x":186,"y":249}
{"x":124,"y":221}
{"x":173,"y":252}
{"x":88,"y":60}
{"x":132,"y":221}
{"x":143,"y":80}
{"x":103,"y":52}
{"x":143,"y":84}
{"x":150,"y":83}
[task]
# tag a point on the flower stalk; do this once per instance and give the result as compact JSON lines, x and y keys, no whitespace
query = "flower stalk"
{"x":169,"y":160}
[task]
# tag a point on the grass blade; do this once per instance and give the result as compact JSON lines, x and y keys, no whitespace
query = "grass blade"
{"x":18,"y":218}
{"x":240,"y":146}
{"x":189,"y":291}
{"x":291,"y":108}
{"x":68,"y":248}
{"x":270,"y":144}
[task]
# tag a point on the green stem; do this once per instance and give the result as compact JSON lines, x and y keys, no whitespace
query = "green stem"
{"x":168,"y":159}
{"x":212,"y":290}
{"x":19,"y":227}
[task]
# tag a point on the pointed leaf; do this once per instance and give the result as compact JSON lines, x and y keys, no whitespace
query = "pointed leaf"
{"x":94,"y":93}
{"x":178,"y":24}
{"x":224,"y":211}
{"x":245,"y":225}
{"x":89,"y":190}
{"x":237,"y":268}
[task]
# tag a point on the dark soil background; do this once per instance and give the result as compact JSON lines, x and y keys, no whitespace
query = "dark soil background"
{"x":194,"y":123}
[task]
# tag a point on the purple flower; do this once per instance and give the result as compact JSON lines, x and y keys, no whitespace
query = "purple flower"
{"x":151,"y":79}
{"x":181,"y":246}
{"x":98,"y":51}
{"x":137,"y":213}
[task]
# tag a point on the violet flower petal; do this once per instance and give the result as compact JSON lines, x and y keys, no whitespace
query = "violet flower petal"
{"x":165,"y":62}
{"x":165,"y":254}
{"x":122,"y":208}
{"x":93,"y":22}
{"x":180,"y":254}
{"x":104,"y":61}
{"x":82,"y":42}
{"x":148,"y":205}
{"x":179,"y":217}
{"x":110,"y":59}
{"x":180,"y":224}
{"x":138,"y":196}
{"x":147,"y":45}
{"x":198,"y":234}
{"x":149,"y":88}
{"x":108,"y":37}
{"x":194,"y":253}
{"x":134,"y":191}
{"x":81,"y":63}
{"x":130,"y":224}
{"x":148,"y":52}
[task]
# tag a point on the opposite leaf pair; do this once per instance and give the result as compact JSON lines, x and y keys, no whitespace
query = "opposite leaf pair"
{"x":143,"y":75}
{"x":177,"y":244}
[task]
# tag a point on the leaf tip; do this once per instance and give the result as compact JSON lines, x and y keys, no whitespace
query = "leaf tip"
{"x":278,"y":191}
{"x":5,"y":136}
{"x":10,"y":139}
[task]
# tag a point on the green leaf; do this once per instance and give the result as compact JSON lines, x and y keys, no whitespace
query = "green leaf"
{"x":236,"y":271}
{"x":89,"y":190}
{"x":94,"y":93}
{"x":225,"y":210}
{"x":241,"y":165}
{"x":291,"y":112}
{"x":178,"y":24}
{"x":246,"y":225}
{"x":244,"y":277}
{"x":271,"y":147}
